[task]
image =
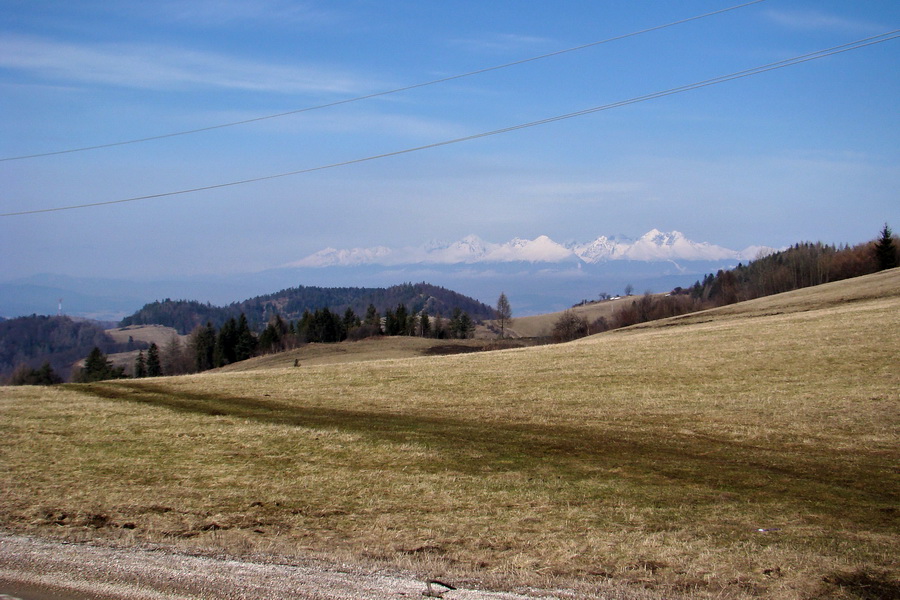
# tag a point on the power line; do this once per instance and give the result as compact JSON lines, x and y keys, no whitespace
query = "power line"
{"x":878,"y":39}
{"x":384,"y":93}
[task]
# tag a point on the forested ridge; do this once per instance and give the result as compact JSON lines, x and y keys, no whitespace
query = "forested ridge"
{"x":291,"y":303}
{"x":182,"y":315}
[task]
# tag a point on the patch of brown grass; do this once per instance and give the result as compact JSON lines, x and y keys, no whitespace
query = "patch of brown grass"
{"x":376,"y":348}
{"x":152,"y":334}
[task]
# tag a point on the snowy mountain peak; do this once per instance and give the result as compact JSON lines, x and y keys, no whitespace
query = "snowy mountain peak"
{"x":660,"y":238}
{"x":655,"y":245}
{"x":656,"y":235}
{"x":332,"y":257}
{"x":599,"y":250}
{"x":472,"y":240}
{"x":469,"y":249}
{"x":540,"y":249}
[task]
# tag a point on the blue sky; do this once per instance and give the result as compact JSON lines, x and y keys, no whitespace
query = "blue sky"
{"x":808,"y":152}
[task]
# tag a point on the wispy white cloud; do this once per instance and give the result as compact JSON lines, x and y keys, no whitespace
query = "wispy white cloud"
{"x":814,"y":20}
{"x":225,"y":12}
{"x":151,"y":66}
{"x":499,"y":42}
{"x":348,"y":121}
{"x":401,"y":125}
{"x":579,"y":189}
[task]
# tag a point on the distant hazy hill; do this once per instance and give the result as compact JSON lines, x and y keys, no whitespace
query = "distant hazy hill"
{"x":290,"y":303}
{"x":60,"y":341}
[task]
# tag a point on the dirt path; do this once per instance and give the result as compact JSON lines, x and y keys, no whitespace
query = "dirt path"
{"x":16,"y":590}
{"x":34,"y":569}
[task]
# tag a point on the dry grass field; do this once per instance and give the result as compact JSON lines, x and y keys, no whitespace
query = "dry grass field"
{"x":741,"y":452}
{"x":152,"y":334}
{"x":377,"y":348}
{"x":536,"y":326}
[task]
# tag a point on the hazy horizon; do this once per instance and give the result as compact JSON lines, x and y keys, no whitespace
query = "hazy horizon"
{"x":806,"y":152}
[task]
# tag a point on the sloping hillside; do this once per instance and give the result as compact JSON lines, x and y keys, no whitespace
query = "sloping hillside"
{"x":745,"y":452}
{"x":150,"y":334}
{"x":376,"y":348}
{"x":536,"y":326}
{"x":882,"y":287}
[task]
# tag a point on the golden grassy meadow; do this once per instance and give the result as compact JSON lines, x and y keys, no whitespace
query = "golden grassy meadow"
{"x":741,"y":452}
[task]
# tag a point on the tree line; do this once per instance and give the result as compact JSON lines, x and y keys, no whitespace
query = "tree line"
{"x":326,"y":326}
{"x":208,"y":347}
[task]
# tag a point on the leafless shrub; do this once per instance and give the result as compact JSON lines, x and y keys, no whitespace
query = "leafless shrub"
{"x":569,"y":326}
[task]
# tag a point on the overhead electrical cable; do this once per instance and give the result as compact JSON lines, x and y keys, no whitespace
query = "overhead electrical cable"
{"x":877,"y":39}
{"x":384,"y":93}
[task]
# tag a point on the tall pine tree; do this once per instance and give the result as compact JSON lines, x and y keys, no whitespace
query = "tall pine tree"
{"x":226,"y":343}
{"x":154,"y":367}
{"x":246,"y":342}
{"x":98,"y":368}
{"x":350,"y":321}
{"x":372,"y":317}
{"x":461,"y":325}
{"x":424,"y":324}
{"x":203,"y":341}
{"x":885,"y":250}
{"x":140,"y":366}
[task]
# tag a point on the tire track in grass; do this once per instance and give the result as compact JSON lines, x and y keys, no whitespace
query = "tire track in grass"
{"x":686,"y":467}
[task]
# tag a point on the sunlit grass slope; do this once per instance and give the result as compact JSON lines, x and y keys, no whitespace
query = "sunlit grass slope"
{"x":751,"y":450}
{"x":542,"y":325}
{"x":378,"y":348}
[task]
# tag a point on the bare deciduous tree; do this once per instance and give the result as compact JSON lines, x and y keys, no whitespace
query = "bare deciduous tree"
{"x":504,"y":313}
{"x":570,"y":326}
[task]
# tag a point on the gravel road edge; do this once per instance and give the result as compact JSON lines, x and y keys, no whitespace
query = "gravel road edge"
{"x":93,"y":571}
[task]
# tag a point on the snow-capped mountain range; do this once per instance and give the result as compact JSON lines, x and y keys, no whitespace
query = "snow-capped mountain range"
{"x":653,"y":246}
